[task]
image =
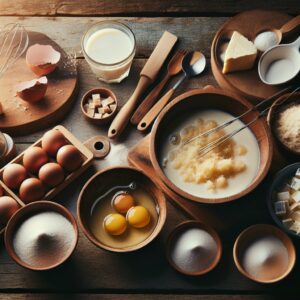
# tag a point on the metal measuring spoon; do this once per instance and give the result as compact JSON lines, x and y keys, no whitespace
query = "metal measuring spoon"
{"x":280,"y":64}
{"x":193,"y":64}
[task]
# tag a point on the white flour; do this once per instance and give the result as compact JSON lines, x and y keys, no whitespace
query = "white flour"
{"x":44,"y":239}
{"x":194,"y":250}
{"x":266,"y":258}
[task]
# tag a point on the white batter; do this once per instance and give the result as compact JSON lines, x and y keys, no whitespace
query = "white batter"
{"x":237,"y":183}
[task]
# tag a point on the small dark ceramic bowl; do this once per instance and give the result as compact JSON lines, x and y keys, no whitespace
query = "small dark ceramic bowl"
{"x":280,"y":178}
{"x":28,"y":211}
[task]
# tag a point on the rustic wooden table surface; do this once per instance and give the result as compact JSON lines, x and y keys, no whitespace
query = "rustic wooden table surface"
{"x":93,"y":273}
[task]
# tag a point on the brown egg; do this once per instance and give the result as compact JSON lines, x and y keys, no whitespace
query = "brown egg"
{"x":33,"y":90}
{"x":31,"y":189}
{"x":52,"y":141}
{"x":8,"y":206}
{"x":34,"y":158}
{"x":42,"y":59}
{"x":1,"y":191}
{"x":14,"y":175}
{"x":69,"y":158}
{"x":52,"y":174}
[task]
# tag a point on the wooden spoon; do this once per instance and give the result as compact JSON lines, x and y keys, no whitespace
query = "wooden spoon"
{"x":174,"y":67}
{"x":192,"y":64}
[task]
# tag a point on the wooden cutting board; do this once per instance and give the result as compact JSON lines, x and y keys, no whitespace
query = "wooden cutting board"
{"x":21,"y":117}
{"x":249,"y":23}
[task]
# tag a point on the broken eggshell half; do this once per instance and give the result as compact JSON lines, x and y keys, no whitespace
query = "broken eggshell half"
{"x":33,"y":90}
{"x":42,"y":59}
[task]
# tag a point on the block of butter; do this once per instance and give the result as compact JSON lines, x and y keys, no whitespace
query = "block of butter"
{"x":240,"y":54}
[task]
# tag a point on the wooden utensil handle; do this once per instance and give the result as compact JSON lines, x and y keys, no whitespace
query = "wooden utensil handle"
{"x":154,"y":111}
{"x":147,"y":103}
{"x":291,"y":25}
{"x":120,"y":121}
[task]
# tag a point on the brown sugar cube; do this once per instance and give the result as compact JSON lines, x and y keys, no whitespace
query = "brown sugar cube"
{"x":101,"y":110}
{"x":97,"y":103}
{"x":108,"y":101}
{"x":113,"y":107}
{"x":98,"y":116}
{"x":90,"y":112}
{"x":107,"y":109}
{"x":91,"y":105}
{"x":105,"y":115}
{"x":96,"y":97}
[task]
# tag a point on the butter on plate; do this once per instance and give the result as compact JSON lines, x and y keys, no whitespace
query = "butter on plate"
{"x":240,"y":54}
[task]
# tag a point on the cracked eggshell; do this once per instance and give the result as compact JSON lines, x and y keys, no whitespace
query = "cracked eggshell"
{"x":33,"y":90}
{"x":42,"y":59}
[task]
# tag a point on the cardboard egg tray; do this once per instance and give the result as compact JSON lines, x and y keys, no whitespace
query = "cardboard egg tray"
{"x":87,"y":156}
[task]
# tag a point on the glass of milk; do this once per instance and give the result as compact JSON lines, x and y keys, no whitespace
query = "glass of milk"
{"x":109,"y":48}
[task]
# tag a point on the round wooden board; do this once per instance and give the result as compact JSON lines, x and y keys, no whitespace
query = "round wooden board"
{"x":249,"y":23}
{"x":21,"y":117}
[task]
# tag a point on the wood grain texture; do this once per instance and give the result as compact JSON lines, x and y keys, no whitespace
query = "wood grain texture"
{"x":194,"y":33}
{"x":131,"y":297}
{"x":137,"y":7}
{"x":92,"y":270}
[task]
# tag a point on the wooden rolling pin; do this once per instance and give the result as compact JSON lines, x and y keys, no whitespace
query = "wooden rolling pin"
{"x":147,"y":76}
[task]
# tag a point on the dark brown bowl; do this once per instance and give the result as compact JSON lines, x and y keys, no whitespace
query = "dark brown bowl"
{"x":211,"y":98}
{"x":108,"y":177}
{"x":28,"y":211}
{"x":254,"y":232}
{"x":189,"y":224}
{"x":101,"y":91}
{"x":278,"y":106}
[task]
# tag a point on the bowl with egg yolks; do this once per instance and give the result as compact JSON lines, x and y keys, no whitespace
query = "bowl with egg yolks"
{"x":120,"y":209}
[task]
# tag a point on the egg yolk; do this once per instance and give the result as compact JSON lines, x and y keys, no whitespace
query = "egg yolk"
{"x":138,"y":216}
{"x":122,"y":202}
{"x":115,"y":224}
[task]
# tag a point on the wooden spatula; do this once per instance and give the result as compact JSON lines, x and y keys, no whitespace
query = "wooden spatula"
{"x":147,"y":76}
{"x":174,"y":67}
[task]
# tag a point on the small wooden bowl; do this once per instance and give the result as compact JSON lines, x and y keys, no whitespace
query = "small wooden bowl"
{"x":273,"y":113}
{"x":105,"y":93}
{"x":281,"y":177}
{"x":253,"y":232}
{"x":112,"y":176}
{"x":210,"y":98}
{"x":193,"y":224}
{"x":26,"y":212}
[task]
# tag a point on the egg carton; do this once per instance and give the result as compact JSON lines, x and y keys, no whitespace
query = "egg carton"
{"x":86,"y":154}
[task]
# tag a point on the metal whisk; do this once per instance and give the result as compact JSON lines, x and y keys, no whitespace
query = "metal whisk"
{"x":13,"y":42}
{"x":212,"y":145}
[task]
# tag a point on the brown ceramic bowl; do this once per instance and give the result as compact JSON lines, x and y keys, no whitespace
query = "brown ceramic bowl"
{"x":278,"y":106}
{"x":104,"y":94}
{"x":253,"y":232}
{"x":193,"y":224}
{"x":210,"y":98}
{"x":28,"y":211}
{"x":117,"y":176}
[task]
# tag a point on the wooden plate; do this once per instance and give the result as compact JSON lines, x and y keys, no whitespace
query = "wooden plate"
{"x":21,"y":117}
{"x":249,"y":23}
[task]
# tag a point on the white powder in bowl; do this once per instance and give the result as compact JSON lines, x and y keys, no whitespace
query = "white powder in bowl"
{"x":266,"y":258}
{"x":44,"y":239}
{"x":194,"y":250}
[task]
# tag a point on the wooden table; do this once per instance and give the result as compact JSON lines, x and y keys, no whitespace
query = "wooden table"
{"x":93,"y":273}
